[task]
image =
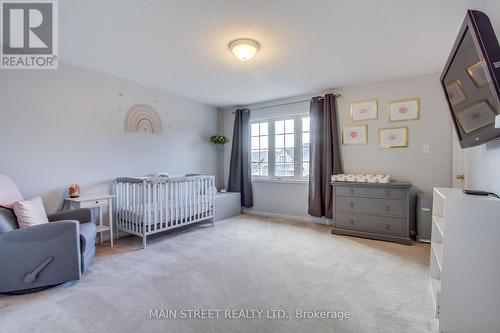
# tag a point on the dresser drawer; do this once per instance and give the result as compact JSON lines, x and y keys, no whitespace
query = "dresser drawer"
{"x":367,"y":191}
{"x":350,"y":191}
{"x":94,"y":203}
{"x":372,"y":206}
{"x":375,"y":224}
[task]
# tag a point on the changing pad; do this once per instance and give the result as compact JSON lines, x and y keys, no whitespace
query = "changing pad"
{"x":361,"y":178}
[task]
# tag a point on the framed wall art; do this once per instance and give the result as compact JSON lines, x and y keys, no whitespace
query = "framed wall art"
{"x":404,"y":110}
{"x":477,"y":116}
{"x":478,"y":74}
{"x":364,"y":110}
{"x":456,"y":94}
{"x":393,"y":137}
{"x":355,"y":135}
{"x":143,"y":119}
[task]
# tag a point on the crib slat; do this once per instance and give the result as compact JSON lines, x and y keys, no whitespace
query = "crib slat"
{"x":181,"y":204}
{"x":176,"y":205}
{"x":191,"y":201}
{"x":185,"y":203}
{"x":159,"y":188}
{"x":170,"y":201}
{"x":202,"y":205}
{"x":164,"y":204}
{"x":133,"y":208}
{"x":205,"y":198}
{"x":198,"y":187}
{"x":155,"y":199}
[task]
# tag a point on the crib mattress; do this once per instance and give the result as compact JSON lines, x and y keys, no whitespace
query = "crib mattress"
{"x":165,"y":214}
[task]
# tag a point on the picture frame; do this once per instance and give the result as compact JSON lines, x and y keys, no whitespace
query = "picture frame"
{"x":355,"y":135}
{"x":476,"y":116}
{"x":478,"y":74}
{"x":395,"y":137}
{"x":455,"y":92}
{"x":364,"y":110}
{"x":404,"y":110}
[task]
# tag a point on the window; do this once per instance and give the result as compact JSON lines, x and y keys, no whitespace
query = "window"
{"x":284,"y":148}
{"x":306,"y":136}
{"x":259,"y":146}
{"x":280,"y":147}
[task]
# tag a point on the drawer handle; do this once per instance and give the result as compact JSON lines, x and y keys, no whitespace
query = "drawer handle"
{"x":387,"y":208}
{"x":352,"y":191}
{"x":387,"y":226}
{"x":97,"y":202}
{"x":387,"y":193}
{"x":351,"y":204}
{"x":351,"y":222}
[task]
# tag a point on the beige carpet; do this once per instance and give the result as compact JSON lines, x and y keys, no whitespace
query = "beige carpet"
{"x":243,"y":263}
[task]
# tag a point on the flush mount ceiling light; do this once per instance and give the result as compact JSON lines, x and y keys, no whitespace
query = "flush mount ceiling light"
{"x":244,"y":49}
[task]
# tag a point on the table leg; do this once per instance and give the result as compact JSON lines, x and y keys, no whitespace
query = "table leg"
{"x":110,"y":209}
{"x":100,"y":221}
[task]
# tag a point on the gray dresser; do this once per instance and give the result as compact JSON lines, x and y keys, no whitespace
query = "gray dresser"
{"x":372,"y":210}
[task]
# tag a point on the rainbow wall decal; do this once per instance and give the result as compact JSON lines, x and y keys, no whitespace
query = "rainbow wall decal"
{"x":144,"y":119}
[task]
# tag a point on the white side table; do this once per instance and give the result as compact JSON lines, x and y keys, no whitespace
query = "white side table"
{"x":96,"y":201}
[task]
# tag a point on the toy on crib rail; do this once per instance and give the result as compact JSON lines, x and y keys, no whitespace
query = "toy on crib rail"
{"x":161,"y":174}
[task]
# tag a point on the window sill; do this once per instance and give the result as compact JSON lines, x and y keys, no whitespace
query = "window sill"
{"x":280,"y":180}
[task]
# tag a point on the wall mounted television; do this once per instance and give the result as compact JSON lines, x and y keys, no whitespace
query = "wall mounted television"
{"x":470,"y":80}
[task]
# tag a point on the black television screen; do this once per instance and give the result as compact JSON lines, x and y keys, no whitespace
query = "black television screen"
{"x":470,"y":81}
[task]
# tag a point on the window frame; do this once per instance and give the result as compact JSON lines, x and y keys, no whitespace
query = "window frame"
{"x":251,"y":150}
{"x":298,"y":148}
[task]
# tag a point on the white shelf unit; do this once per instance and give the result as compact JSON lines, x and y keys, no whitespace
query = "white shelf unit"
{"x":465,"y":261}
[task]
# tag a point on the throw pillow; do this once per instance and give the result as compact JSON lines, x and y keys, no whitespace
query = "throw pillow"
{"x":30,"y":212}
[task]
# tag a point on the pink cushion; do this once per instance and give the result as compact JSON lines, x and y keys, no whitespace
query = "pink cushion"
{"x":30,"y":212}
{"x":9,"y":193}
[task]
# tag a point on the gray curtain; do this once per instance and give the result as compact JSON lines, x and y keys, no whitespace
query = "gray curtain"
{"x":239,"y":170}
{"x":325,"y":155}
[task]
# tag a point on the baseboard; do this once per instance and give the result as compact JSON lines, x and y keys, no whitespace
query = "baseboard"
{"x":312,"y":219}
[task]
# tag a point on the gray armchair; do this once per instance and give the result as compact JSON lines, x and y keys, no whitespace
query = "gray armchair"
{"x":44,"y":255}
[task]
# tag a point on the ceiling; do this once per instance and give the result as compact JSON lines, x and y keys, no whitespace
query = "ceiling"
{"x":181,"y":46}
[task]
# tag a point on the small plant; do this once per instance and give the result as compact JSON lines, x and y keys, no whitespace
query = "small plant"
{"x":219,"y":139}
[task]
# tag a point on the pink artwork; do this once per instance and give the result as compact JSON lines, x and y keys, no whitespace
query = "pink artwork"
{"x":364,"y":110}
{"x":393,"y":137}
{"x":404,"y":110}
{"x":355,"y":135}
{"x":476,"y":116}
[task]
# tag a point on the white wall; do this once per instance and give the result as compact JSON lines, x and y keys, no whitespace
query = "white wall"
{"x":67,"y":126}
{"x":409,"y":164}
{"x":482,"y":162}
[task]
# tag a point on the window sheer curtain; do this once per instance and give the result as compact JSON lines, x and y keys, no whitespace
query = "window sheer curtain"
{"x":240,"y":179}
{"x":325,"y":154}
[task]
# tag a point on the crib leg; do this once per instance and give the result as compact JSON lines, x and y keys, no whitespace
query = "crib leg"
{"x":213,"y":221}
{"x":144,"y":241}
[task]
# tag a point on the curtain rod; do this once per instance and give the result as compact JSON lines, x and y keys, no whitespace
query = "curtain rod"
{"x":288,"y":103}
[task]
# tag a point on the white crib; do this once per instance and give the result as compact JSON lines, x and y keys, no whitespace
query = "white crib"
{"x":146,"y":206}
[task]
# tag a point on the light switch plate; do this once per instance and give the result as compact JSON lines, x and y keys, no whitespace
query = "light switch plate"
{"x":497,"y":121}
{"x":426,"y":149}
